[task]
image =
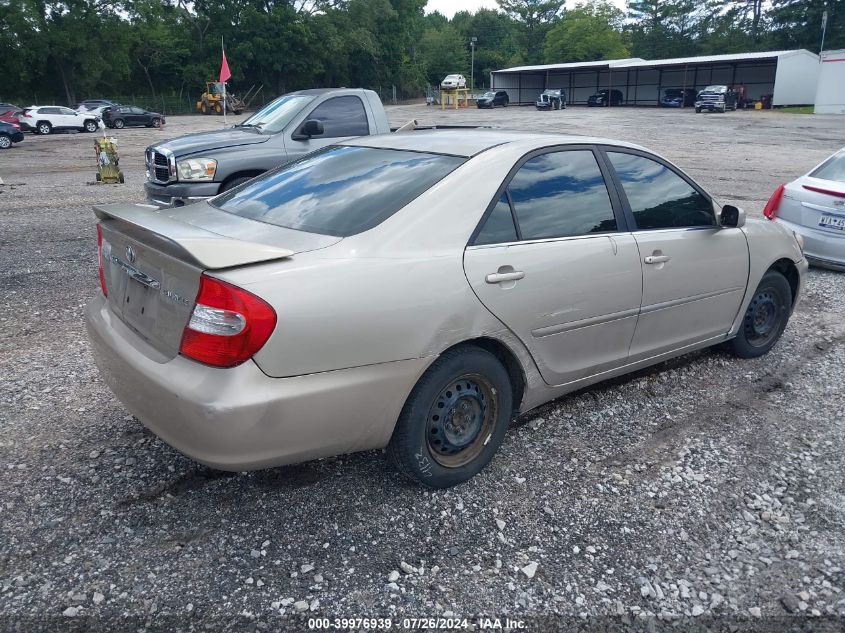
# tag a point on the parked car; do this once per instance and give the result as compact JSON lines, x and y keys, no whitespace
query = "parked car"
{"x":123,"y":116}
{"x":9,"y":133}
{"x":813,"y":206}
{"x":451,"y":82}
{"x":10,"y":114}
{"x":338,"y":303}
{"x":716,"y":99}
{"x":93,"y":104}
{"x":492,"y":98}
{"x":48,"y":119}
{"x":94,"y":111}
{"x":198,"y":166}
{"x":678,"y":97}
{"x":551,"y":100}
{"x":605,"y":98}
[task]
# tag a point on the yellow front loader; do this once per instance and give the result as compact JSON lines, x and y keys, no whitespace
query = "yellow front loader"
{"x":211,"y":101}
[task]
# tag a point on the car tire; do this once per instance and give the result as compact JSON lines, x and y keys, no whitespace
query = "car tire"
{"x":156,"y":122}
{"x":440,"y":450}
{"x":44,"y":127}
{"x":698,"y":110}
{"x":766,"y":317}
{"x":120,"y":178}
{"x":119,"y":124}
{"x":89,"y":126}
{"x":5,"y":141}
{"x":504,"y":104}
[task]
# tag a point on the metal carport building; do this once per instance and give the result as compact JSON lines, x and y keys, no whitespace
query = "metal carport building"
{"x":790,"y":76}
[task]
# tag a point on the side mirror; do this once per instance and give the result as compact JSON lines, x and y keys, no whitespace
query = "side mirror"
{"x":732,"y":216}
{"x":311,"y":127}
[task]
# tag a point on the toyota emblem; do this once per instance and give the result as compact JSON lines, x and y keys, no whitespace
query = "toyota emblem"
{"x":130,"y":254}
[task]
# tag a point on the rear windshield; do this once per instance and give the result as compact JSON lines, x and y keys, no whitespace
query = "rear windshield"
{"x":338,"y":191}
{"x":832,"y":169}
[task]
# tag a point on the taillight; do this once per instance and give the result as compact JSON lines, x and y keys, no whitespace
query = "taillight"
{"x":827,"y":192}
{"x":100,"y":261}
{"x":228,"y":324}
{"x":771,"y":209}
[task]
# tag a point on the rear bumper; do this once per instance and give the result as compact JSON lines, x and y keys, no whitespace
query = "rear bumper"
{"x":820,"y":247}
{"x":240,"y":418}
{"x":179,"y":194}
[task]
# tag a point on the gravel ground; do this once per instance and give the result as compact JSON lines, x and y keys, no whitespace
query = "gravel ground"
{"x":707,"y":492}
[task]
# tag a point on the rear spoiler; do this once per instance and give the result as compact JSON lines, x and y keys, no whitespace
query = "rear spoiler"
{"x":196,"y":245}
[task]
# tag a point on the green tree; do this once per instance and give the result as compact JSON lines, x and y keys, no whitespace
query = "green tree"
{"x":443,"y":51}
{"x":663,"y":28}
{"x":535,"y":18}
{"x":798,"y":24}
{"x":589,"y":32}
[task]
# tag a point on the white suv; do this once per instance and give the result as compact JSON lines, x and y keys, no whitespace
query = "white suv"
{"x":451,"y":82}
{"x":46,"y":119}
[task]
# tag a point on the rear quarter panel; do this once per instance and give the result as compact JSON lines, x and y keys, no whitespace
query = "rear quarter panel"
{"x":395,"y":292}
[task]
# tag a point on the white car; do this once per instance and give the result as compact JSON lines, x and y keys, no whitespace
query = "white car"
{"x":813,"y":206}
{"x":452,"y":82}
{"x":95,"y":112}
{"x":47,"y":119}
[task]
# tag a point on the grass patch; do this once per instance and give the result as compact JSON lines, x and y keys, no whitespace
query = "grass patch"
{"x":797,"y":109}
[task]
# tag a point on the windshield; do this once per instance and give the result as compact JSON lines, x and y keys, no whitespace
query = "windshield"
{"x":489,"y":95}
{"x":715,"y":89}
{"x":338,"y":191}
{"x":277,"y":114}
{"x":831,"y":169}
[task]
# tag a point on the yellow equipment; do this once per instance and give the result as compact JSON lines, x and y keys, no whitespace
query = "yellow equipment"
{"x":108,"y":161}
{"x":211,"y":101}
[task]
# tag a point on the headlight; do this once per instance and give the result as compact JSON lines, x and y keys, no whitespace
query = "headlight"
{"x":197,"y":169}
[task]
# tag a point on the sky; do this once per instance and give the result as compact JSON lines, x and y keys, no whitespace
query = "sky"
{"x":450,"y":7}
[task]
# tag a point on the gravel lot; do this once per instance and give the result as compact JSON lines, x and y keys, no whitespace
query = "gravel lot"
{"x":708,"y":489}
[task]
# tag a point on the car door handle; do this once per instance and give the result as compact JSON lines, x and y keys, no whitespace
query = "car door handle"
{"x":497,"y":278}
{"x":656,"y":259}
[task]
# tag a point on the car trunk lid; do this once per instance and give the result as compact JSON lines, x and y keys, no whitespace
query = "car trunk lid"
{"x":817,"y":204}
{"x":153,"y":260}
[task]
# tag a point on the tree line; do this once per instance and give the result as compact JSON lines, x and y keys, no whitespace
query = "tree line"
{"x":68,"y":50}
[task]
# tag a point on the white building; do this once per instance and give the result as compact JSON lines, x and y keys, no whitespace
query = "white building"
{"x":790,"y":76}
{"x":830,"y":95}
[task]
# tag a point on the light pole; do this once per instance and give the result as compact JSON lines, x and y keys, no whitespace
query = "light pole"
{"x":472,"y":42}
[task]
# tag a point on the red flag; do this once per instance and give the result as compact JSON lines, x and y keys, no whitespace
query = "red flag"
{"x":225,"y":74}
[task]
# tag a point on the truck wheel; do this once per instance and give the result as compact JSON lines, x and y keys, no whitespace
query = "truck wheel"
{"x":218,"y":108}
{"x":766,"y":317}
{"x":120,"y":177}
{"x":454,"y":419}
{"x":698,"y":110}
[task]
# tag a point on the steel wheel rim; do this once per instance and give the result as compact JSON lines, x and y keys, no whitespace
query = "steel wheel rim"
{"x":764,"y":317}
{"x":461,"y":420}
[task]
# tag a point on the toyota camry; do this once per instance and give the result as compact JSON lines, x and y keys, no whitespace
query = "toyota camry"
{"x":417,"y":291}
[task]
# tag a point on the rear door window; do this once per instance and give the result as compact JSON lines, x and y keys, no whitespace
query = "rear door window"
{"x":342,"y":116}
{"x":561,"y":194}
{"x":660,"y":198}
{"x":338,"y":191}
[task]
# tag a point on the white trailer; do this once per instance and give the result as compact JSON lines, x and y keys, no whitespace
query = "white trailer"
{"x":830,"y":92}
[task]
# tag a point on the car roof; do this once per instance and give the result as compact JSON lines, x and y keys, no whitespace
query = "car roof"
{"x":470,"y":142}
